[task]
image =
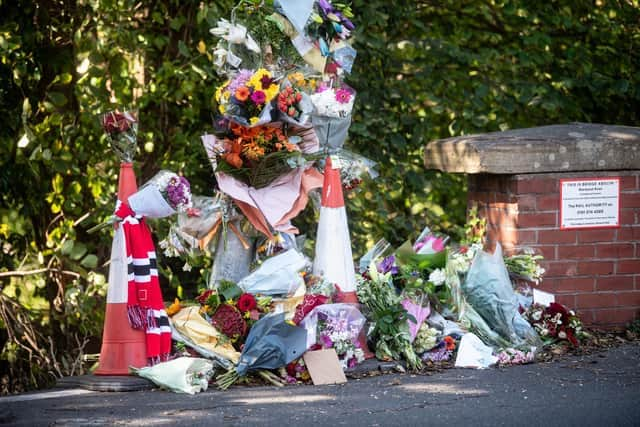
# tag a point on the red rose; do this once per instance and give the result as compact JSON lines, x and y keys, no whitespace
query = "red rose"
{"x":228,"y":320}
{"x":114,"y":122}
{"x":247,"y":302}
{"x":204,"y":296}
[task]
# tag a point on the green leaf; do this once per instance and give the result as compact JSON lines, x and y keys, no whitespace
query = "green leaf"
{"x":183,"y":49}
{"x":67,"y":247}
{"x":57,"y":98}
{"x":90,"y":261}
{"x":78,"y":251}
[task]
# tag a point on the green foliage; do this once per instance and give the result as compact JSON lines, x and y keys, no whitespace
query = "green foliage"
{"x":425,"y":71}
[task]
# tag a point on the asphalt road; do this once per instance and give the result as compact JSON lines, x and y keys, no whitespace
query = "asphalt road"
{"x":601,"y":389}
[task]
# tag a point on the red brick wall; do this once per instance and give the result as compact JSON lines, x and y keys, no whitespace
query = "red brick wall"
{"x":596,"y":272}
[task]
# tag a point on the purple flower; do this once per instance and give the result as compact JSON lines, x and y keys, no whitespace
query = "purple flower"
{"x":258,"y":97}
{"x":326,"y":341}
{"x":325,"y":7}
{"x":352,"y":362}
{"x":240,"y":80}
{"x":388,"y":265}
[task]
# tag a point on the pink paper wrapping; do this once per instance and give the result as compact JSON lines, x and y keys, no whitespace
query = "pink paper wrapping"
{"x":417,"y":311}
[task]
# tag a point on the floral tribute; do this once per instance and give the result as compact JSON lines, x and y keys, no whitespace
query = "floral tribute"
{"x":246,"y":97}
{"x":231,"y":311}
{"x":256,"y":155}
{"x":335,"y":331}
{"x":554,"y":323}
{"x":121,"y":129}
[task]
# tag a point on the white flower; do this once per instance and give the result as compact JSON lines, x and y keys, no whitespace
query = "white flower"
{"x":562,"y":335}
{"x":544,"y":332}
{"x":536,"y":315}
{"x":437,"y":277}
{"x":186,"y":267}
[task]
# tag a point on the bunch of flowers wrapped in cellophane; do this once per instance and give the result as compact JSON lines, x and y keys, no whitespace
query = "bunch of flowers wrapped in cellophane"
{"x":293,"y":103}
{"x":122,"y":130}
{"x":246,"y":97}
{"x":391,"y":333}
{"x":320,"y":31}
{"x":331,"y":118}
{"x":554,"y":323}
{"x":163,"y":195}
{"x":258,"y":155}
{"x":336,"y":326}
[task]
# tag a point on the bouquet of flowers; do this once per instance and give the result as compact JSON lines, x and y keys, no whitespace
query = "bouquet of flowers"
{"x":329,"y":22}
{"x":391,"y":330}
{"x":293,"y":102}
{"x":336,"y":326}
{"x":231,"y":311}
{"x":512,"y":356}
{"x":163,"y":195}
{"x":555,"y":323}
{"x":246,"y":98}
{"x":295,"y":372}
{"x":332,"y":114}
{"x":122,"y":130}
{"x":257,"y":155}
{"x":443,"y":351}
{"x":525,"y":266}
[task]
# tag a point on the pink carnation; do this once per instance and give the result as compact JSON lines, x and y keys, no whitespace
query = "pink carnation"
{"x":343,"y":96}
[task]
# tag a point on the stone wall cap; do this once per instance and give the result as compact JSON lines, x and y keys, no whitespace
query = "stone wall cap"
{"x":557,"y":148}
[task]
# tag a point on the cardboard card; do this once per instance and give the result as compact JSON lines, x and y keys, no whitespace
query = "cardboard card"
{"x":324,"y":367}
{"x":544,"y":298}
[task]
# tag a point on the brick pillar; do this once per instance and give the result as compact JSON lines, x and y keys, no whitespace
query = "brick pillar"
{"x":514,"y":177}
{"x":595,"y":271}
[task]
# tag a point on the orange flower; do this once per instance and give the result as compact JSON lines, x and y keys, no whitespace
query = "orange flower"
{"x":233,"y":159}
{"x":242,"y":93}
{"x":174,"y":308}
{"x":450,"y":343}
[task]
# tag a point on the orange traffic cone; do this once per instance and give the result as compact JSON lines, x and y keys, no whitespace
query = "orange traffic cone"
{"x":334,"y":259}
{"x":122,"y":346}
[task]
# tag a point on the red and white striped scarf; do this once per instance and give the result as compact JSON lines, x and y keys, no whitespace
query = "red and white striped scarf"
{"x":145,"y":306}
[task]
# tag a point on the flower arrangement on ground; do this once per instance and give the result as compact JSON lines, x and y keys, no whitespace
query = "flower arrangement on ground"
{"x":555,"y":323}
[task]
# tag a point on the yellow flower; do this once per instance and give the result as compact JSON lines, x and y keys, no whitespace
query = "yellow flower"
{"x":253,"y":120}
{"x":296,"y":78}
{"x":254,"y":81}
{"x":219,"y":90}
{"x":222,"y":109}
{"x":174,"y":308}
{"x":271,"y":92}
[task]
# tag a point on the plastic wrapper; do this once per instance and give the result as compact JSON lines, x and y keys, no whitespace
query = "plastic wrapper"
{"x":271,"y":344}
{"x":354,"y":167}
{"x":233,"y":255}
{"x":473,"y":353}
{"x":348,"y":318}
{"x":236,"y":49}
{"x":379,"y":250}
{"x":488,"y":289}
{"x":210,"y":211}
{"x":429,"y":242}
{"x":182,"y":375}
{"x":332,"y":131}
{"x":279,"y":275}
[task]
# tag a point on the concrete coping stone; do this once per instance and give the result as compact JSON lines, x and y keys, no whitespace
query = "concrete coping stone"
{"x":571,"y":147}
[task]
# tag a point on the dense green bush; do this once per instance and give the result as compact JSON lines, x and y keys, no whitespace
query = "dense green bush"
{"x":425,"y":70}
